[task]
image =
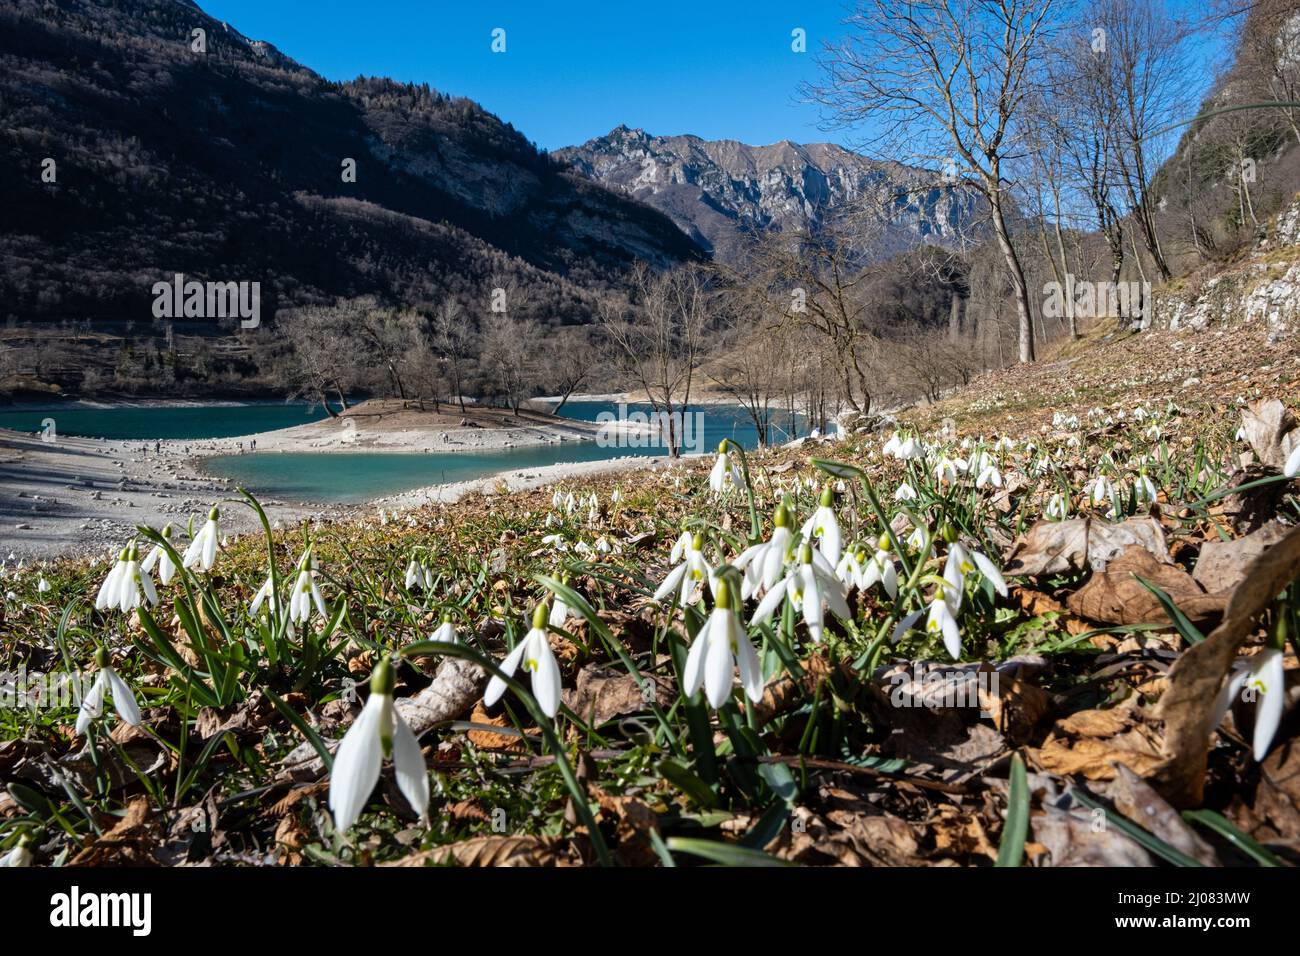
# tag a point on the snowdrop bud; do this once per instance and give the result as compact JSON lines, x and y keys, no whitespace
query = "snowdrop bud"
{"x":722,"y":595}
{"x":382,"y":678}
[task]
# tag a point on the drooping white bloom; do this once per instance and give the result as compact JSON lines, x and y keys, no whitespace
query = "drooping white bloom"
{"x":948,"y":469}
{"x":42,"y":586}
{"x":825,"y":527}
{"x":265,"y":595}
{"x":1264,"y":681}
{"x":203,"y":549}
{"x":159,"y":556}
{"x":905,"y":449}
{"x":378,"y":731}
{"x":126,"y":586}
{"x":1058,"y":507}
{"x":534,"y":651}
{"x":849,"y":569}
{"x":881,"y":569}
{"x":691,"y":569}
{"x":940,"y":620}
{"x":111,"y":588}
{"x":306,"y":595}
{"x":446,"y":631}
{"x":764,"y":562}
{"x":92,"y":705}
{"x":1144,"y":488}
{"x":811,"y":590}
{"x":905,"y":492}
{"x":725,"y":475}
{"x":419,"y":576}
{"x":1292,"y":466}
{"x":19,"y":856}
{"x":1101,"y":490}
{"x":965,"y":562}
{"x":988,"y":472}
{"x":720,"y":648}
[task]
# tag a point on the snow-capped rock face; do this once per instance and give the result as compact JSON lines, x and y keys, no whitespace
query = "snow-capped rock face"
{"x":719,"y":190}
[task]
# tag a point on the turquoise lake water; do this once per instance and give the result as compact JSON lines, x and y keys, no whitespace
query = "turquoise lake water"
{"x":165,"y":421}
{"x":352,"y":477}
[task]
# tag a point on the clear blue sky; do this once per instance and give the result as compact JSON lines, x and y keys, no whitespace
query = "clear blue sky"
{"x":573,"y":69}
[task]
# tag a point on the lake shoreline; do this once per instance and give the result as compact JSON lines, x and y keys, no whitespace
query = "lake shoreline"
{"x":75,"y":496}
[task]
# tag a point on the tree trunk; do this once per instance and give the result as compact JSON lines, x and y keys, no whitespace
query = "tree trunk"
{"x":1024,"y":314}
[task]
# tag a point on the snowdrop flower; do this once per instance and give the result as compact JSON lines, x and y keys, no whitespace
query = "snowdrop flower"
{"x":379,"y":731}
{"x":446,"y":632}
{"x":265,"y":595}
{"x":763,"y":562}
{"x":534,"y":651}
{"x":126,"y":586}
{"x":158,"y":556}
{"x":1058,"y":507}
{"x":825,"y":527}
{"x":692,"y":569}
{"x":809,"y":588}
{"x":726,"y":473}
{"x":949,"y":468}
{"x":962,"y":563}
{"x":19,"y":856}
{"x":556,"y":541}
{"x":1004,"y":444}
{"x":306,"y":594}
{"x":905,"y":449}
{"x":1144,"y":488}
{"x":881,"y":569}
{"x":940,"y":620}
{"x":203,"y":549}
{"x":1292,"y":466}
{"x":92,"y":705}
{"x":561,"y":612}
{"x":42,"y":586}
{"x":720,"y":647}
{"x":1101,"y":490}
{"x":916,"y":540}
{"x":905,"y":492}
{"x":989,"y":474}
{"x":1265,"y":681}
{"x":418,"y":576}
{"x":849,"y":569}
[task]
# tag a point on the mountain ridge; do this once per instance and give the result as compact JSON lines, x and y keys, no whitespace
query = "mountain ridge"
{"x":720,"y":191}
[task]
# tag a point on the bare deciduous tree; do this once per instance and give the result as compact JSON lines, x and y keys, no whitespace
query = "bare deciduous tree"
{"x":944,"y":82}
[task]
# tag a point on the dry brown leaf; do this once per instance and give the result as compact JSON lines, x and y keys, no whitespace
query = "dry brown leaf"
{"x":1222,"y":564}
{"x":1196,"y":676}
{"x":489,"y":740}
{"x":603,"y":693}
{"x":1071,"y":838}
{"x":1116,"y":596}
{"x":1270,"y":431}
{"x":130,"y":842}
{"x":1134,"y":798}
{"x":523,"y":850}
{"x":1060,"y":547}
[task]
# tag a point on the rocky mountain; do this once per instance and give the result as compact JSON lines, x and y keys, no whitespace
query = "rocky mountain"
{"x":134,"y":151}
{"x":718,"y":191}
